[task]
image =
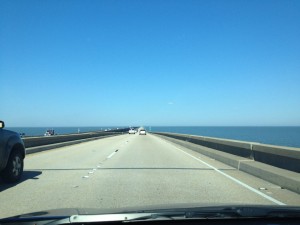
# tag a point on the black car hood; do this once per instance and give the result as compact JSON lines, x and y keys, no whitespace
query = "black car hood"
{"x":66,"y":212}
{"x":96,"y":211}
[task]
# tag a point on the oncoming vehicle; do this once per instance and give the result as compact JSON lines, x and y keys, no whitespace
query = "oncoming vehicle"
{"x":12,"y":154}
{"x":131,"y":131}
{"x":49,"y":132}
{"x":142,"y":132}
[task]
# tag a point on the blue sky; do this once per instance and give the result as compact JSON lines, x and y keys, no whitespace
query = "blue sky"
{"x":123,"y":63}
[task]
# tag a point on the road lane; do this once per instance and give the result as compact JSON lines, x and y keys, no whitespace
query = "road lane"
{"x":52,"y":177}
{"x":151,"y":171}
{"x":124,"y":171}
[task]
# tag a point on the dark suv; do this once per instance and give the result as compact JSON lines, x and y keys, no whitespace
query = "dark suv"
{"x":12,"y":154}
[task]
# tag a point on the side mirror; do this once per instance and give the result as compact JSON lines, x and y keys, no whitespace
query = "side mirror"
{"x":2,"y":125}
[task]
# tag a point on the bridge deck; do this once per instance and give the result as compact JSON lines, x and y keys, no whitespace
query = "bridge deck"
{"x":132,"y":170}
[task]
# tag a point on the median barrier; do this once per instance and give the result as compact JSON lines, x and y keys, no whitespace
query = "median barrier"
{"x":61,"y":144}
{"x":38,"y":144}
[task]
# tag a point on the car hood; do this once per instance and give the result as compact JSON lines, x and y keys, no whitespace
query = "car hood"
{"x":256,"y":210}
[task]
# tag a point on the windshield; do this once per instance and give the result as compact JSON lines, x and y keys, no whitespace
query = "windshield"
{"x":216,"y":110}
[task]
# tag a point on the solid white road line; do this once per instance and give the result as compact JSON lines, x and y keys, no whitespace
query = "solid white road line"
{"x":235,"y":180}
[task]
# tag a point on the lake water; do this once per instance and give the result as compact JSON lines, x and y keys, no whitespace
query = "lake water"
{"x":284,"y":136}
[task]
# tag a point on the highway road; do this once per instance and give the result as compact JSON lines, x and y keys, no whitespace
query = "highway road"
{"x":129,"y":171}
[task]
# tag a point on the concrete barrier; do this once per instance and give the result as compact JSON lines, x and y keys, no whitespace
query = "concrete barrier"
{"x":48,"y":140}
{"x":276,"y":164}
{"x":61,"y":144}
{"x":239,"y":148}
{"x":282,"y":157}
{"x":43,"y":143}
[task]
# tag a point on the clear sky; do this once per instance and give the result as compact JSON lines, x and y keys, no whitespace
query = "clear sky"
{"x":152,"y":62}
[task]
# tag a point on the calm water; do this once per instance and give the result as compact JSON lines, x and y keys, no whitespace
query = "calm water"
{"x":285,"y":136}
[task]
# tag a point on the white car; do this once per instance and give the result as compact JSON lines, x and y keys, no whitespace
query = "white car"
{"x":142,"y":132}
{"x":131,"y":131}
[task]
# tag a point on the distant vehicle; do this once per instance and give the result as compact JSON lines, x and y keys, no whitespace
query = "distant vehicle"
{"x":131,"y":131}
{"x":49,"y":132}
{"x":12,"y":154}
{"x":142,"y":132}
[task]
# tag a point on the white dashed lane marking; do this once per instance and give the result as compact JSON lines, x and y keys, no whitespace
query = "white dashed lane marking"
{"x":112,"y":154}
{"x":99,"y":166}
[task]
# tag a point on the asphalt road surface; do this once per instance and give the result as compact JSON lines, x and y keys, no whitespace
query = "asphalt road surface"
{"x":131,"y":171}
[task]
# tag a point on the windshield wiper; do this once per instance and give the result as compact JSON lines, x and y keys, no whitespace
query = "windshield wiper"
{"x":186,"y":215}
{"x":194,"y":213}
{"x":224,"y":213}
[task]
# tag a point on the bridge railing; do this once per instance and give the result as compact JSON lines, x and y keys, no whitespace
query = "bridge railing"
{"x":280,"y":156}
